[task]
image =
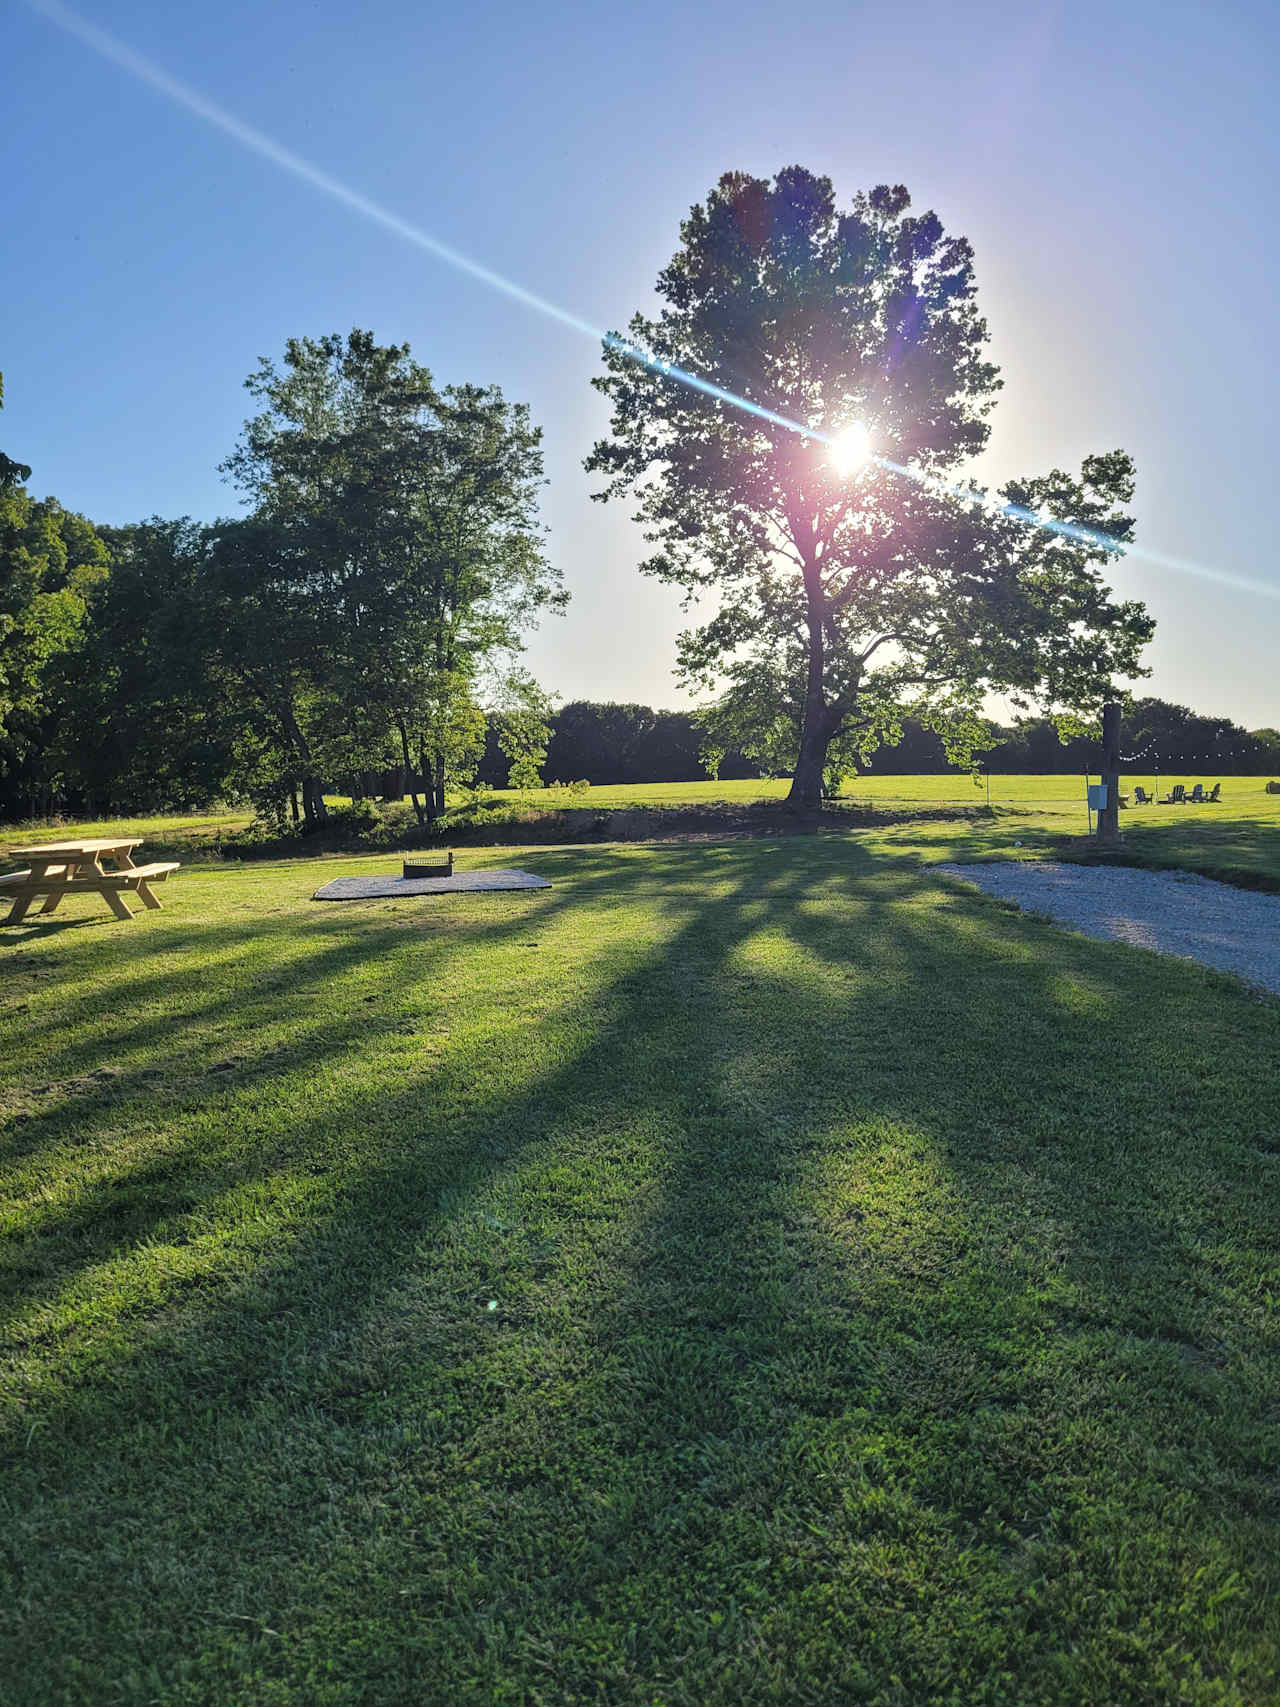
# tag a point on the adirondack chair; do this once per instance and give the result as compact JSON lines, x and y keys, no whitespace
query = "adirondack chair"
{"x":1196,"y":797}
{"x":1141,"y":797}
{"x":1214,"y":794}
{"x":1176,"y":795}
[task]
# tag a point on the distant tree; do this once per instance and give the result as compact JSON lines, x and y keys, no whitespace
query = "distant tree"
{"x":920,"y":752}
{"x":670,"y":750}
{"x":1036,"y":746}
{"x":625,"y":743}
{"x":1156,"y":735}
{"x":50,"y":561}
{"x":11,"y":473}
{"x":156,"y":725}
{"x":1174,"y":735}
{"x":849,"y":596}
{"x":394,"y":555}
{"x":520,"y":715}
{"x":599,"y":742}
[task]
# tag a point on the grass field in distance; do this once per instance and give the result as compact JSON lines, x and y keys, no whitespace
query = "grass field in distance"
{"x":1238,"y":838}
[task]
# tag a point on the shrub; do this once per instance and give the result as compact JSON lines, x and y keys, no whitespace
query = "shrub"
{"x":357,"y":818}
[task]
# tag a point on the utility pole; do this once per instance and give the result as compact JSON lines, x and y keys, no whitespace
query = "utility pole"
{"x":1109,"y":815}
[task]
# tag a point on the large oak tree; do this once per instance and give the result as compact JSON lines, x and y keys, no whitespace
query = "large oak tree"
{"x":848,"y":593}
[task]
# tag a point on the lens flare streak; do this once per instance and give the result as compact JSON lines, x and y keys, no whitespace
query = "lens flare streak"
{"x":146,"y":71}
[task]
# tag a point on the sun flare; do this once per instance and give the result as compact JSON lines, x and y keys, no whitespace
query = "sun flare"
{"x":851,"y":450}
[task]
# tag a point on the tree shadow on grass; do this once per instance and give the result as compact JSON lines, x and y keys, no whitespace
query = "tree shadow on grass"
{"x":189,"y":972}
{"x":845,"y":1271}
{"x":246,"y":1033}
{"x":988,"y":1334}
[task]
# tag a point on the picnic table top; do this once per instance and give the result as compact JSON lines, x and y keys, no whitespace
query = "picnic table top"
{"x":59,"y":869}
{"x":98,"y":844}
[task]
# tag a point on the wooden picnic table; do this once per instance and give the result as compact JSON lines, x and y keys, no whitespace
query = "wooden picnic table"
{"x":76,"y":868}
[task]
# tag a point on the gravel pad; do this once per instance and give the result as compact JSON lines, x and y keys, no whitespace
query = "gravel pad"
{"x":1234,"y":930}
{"x":377,"y":888}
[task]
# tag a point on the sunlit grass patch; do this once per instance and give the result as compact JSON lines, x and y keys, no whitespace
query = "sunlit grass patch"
{"x":739,"y":1274}
{"x":162,"y":827}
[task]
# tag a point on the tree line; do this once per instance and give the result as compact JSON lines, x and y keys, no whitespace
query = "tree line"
{"x":627,"y":743}
{"x":1156,"y":736}
{"x":360,"y":627}
{"x":612,"y":743}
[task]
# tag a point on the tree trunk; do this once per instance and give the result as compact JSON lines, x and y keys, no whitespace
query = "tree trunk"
{"x":409,"y":778}
{"x":1109,"y":815}
{"x":293,"y":802}
{"x":313,"y":806}
{"x":815,"y":734}
{"x":424,"y":779}
{"x":806,"y":783}
{"x":437,"y":784}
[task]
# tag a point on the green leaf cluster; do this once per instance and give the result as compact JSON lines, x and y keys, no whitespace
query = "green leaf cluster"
{"x":50,"y":563}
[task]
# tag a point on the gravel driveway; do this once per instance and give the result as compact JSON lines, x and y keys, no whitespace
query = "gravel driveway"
{"x":1234,"y":930}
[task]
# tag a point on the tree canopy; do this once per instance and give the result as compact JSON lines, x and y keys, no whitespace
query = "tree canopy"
{"x":392,"y":561}
{"x":11,"y":473}
{"x":359,"y":628}
{"x":50,"y":562}
{"x":850,"y":590}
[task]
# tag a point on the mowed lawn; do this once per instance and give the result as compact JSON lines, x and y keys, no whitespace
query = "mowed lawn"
{"x":191,"y":831}
{"x":744,"y":1274}
{"x":1031,"y":817}
{"x":943,"y":817}
{"x":1058,"y":795}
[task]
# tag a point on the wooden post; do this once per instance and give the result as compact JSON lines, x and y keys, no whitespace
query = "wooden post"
{"x":1109,"y":816}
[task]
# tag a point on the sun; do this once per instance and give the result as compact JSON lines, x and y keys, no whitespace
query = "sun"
{"x":851,"y":450}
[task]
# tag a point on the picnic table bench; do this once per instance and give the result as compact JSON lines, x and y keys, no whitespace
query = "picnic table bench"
{"x":76,"y":868}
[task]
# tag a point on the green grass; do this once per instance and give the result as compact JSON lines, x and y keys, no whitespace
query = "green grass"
{"x":744,"y":1274}
{"x":1032,"y":817}
{"x":1238,"y":839}
{"x":190,"y":831}
{"x":1057,"y":795}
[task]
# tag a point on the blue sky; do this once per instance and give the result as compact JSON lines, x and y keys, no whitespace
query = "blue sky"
{"x":1114,"y":165}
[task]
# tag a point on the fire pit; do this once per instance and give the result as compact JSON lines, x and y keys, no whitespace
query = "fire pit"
{"x":429,"y":867}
